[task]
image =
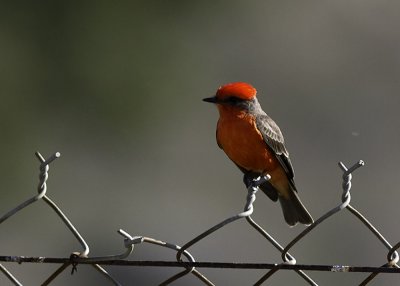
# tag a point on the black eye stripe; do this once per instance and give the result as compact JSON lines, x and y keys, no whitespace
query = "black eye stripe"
{"x":233,"y":99}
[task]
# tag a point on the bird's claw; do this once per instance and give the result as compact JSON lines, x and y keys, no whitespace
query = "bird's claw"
{"x":252,"y":182}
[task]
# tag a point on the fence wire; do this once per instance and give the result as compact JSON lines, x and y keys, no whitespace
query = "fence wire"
{"x":189,"y":265}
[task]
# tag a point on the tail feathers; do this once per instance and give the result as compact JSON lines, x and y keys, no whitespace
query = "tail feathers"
{"x":294,"y":211}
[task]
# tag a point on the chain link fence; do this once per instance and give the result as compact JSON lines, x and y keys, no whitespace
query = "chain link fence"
{"x":184,"y":259}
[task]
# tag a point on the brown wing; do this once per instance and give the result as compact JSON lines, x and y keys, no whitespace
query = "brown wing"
{"x":273,"y":137}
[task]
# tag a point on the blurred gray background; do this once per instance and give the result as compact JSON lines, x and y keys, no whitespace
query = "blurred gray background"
{"x":116,"y":87}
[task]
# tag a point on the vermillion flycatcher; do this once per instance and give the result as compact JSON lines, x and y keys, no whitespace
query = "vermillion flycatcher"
{"x":253,"y":141}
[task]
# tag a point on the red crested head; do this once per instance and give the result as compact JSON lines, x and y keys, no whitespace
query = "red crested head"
{"x":240,"y":90}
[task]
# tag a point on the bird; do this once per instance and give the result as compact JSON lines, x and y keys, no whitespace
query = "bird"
{"x":254,"y":142}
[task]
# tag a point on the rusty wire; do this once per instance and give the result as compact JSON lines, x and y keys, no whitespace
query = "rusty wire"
{"x":42,"y":190}
{"x":190,"y":265}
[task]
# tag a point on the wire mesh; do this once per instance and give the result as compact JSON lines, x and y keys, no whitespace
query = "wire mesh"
{"x":189,"y":265}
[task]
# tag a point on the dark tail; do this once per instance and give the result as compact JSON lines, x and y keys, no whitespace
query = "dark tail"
{"x":294,"y":210}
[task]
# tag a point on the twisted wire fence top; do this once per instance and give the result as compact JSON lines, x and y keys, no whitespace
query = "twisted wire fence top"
{"x":185,"y":260}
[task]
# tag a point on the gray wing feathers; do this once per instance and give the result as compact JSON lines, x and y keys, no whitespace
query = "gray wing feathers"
{"x":273,"y":137}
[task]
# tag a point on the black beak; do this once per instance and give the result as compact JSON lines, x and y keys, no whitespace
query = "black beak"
{"x":211,"y":99}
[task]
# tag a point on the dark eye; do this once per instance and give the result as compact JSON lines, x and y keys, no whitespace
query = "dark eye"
{"x":234,"y":100}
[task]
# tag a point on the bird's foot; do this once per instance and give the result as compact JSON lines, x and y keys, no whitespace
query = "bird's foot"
{"x":254,"y":182}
